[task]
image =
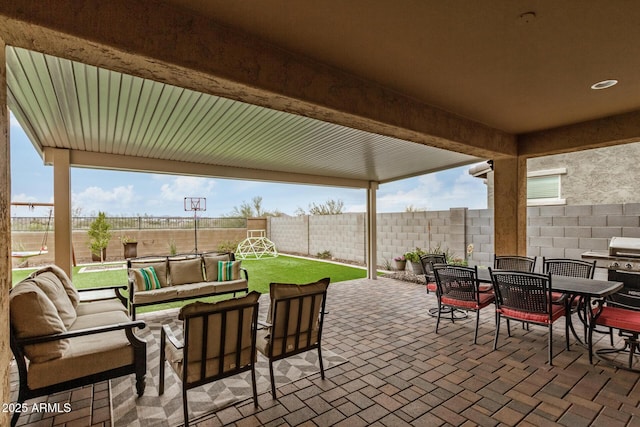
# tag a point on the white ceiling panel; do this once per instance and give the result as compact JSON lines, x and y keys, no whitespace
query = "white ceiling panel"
{"x":65,"y":104}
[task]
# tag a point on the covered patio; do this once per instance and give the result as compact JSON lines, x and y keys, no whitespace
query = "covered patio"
{"x":399,"y":372}
{"x":433,"y":86}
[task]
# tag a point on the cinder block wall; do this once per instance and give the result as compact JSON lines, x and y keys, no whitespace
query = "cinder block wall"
{"x":342,"y":235}
{"x":568,"y":231}
{"x":553,"y":231}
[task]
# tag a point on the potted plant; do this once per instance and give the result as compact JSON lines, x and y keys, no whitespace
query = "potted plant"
{"x":401,"y":262}
{"x":99,"y":236}
{"x":130,"y":245}
{"x":414,"y":260}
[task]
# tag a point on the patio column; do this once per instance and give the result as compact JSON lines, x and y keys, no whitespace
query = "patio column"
{"x":62,"y":209}
{"x":372,"y":246}
{"x":510,"y":206}
{"x":5,"y":236}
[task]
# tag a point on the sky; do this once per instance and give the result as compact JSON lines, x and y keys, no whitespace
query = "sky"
{"x":136,"y":194}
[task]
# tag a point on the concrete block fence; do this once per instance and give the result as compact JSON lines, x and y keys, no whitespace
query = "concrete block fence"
{"x":552,"y":231}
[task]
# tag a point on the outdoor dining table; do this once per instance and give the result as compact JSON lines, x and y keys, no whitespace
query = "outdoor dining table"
{"x":576,"y":288}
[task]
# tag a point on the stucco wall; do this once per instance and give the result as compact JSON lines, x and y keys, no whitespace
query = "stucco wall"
{"x":150,"y":242}
{"x":583,"y":183}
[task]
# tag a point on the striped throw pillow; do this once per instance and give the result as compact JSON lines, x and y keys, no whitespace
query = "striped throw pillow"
{"x":228,"y":270}
{"x":149,"y":278}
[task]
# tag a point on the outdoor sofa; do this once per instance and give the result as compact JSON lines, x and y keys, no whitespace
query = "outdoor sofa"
{"x":161,"y":279}
{"x":60,"y":343}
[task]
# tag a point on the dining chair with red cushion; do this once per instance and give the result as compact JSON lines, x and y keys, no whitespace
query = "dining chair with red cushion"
{"x":458,"y":289}
{"x":526,"y":297}
{"x":622,"y":312}
{"x":427,"y":261}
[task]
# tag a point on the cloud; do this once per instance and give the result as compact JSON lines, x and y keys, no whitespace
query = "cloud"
{"x":186,"y":186}
{"x":437,"y":191}
{"x":116,"y":200}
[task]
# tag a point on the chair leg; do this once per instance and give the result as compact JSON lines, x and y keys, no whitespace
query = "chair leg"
{"x":495,"y":339}
{"x":590,"y":343}
{"x":475,"y":336}
{"x":185,"y":408}
{"x":566,"y":332}
{"x":508,"y":328}
{"x":163,"y":340}
{"x":550,"y":344}
{"x":439,"y":314}
{"x":321,"y":365}
{"x":253,"y":382}
{"x":273,"y":382}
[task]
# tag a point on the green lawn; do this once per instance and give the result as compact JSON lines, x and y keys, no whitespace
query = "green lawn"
{"x":282,"y":269}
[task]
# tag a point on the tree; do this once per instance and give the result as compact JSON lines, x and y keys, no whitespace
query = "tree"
{"x":253,"y":209}
{"x":99,"y":235}
{"x":330,"y":207}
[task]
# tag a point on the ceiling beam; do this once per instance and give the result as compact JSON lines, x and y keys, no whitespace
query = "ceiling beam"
{"x":604,"y":132}
{"x":86,"y":159}
{"x":158,"y":41}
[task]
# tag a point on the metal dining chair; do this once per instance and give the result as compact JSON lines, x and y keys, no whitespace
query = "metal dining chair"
{"x":570,"y":268}
{"x":526,"y":297}
{"x":458,"y":289}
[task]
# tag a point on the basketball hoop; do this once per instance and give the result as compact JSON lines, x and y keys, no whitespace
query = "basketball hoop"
{"x":195,"y":204}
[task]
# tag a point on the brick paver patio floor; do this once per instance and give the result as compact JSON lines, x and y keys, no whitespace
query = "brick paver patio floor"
{"x":401,"y":373}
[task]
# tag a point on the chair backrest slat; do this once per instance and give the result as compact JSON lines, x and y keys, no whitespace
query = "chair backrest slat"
{"x":521,"y":291}
{"x":457,"y":282}
{"x":297,"y":321}
{"x":207,"y":338}
{"x":569,"y":267}
{"x":514,"y":263}
{"x":428,"y":261}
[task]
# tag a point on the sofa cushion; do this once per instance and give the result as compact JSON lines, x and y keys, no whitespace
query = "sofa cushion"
{"x":93,"y":307}
{"x":156,"y":295}
{"x":51,"y":285}
{"x":228,"y":270}
{"x":211,"y":265}
{"x":71,"y":290}
{"x":146,"y":278}
{"x":86,"y":355}
{"x":33,"y":314}
{"x":159,"y":265}
{"x":191,"y":290}
{"x":100,"y":319}
{"x":185,"y":271}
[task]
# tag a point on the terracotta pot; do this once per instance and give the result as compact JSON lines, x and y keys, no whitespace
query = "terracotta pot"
{"x":417,"y":268}
{"x":400,"y":265}
{"x":96,"y":257}
{"x":130,"y":249}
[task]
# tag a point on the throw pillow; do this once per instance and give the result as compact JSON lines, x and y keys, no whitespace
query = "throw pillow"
{"x":71,"y":290}
{"x":54,"y":289}
{"x":228,"y":270}
{"x":211,"y":265}
{"x":33,"y":314}
{"x":146,"y":279}
{"x":182,"y":271}
{"x":159,"y":265}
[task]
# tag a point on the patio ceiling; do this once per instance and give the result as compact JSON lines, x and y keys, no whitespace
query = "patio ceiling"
{"x":114,"y":120}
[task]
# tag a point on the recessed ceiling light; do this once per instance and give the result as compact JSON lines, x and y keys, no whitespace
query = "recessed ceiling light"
{"x":604,"y":84}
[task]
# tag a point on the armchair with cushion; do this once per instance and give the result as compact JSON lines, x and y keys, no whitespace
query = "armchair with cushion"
{"x":294,"y":322}
{"x":219,"y":341}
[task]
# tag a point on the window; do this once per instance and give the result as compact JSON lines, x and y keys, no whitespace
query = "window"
{"x":544,"y":187}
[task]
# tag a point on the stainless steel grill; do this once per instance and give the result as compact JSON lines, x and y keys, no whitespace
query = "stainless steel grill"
{"x":623,"y":254}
